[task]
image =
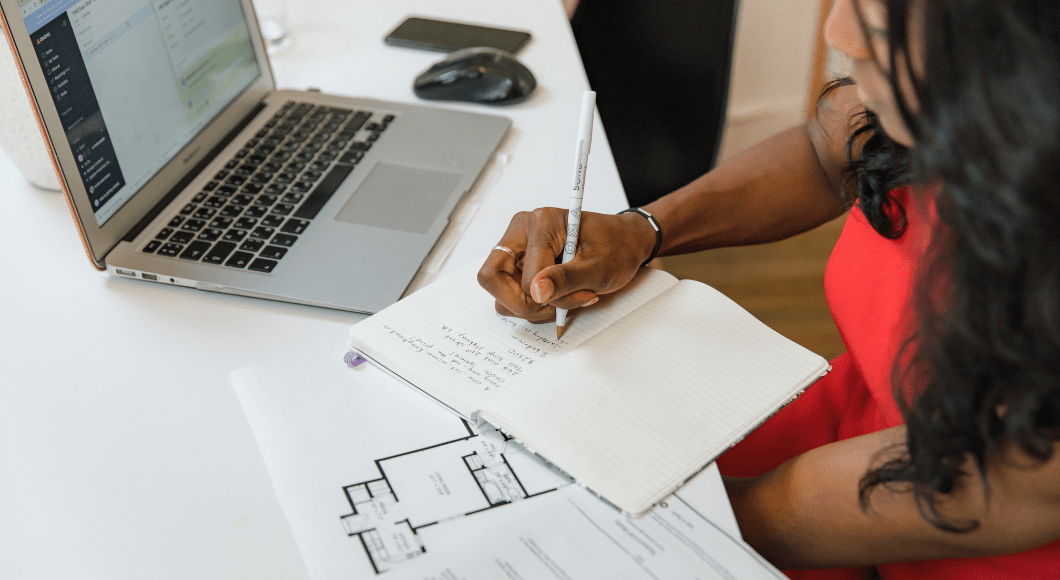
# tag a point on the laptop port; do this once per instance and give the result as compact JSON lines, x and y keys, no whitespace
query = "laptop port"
{"x":128,"y":273}
{"x":149,"y":277}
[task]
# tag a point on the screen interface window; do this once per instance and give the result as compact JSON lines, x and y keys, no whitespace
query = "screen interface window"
{"x":135,"y":80}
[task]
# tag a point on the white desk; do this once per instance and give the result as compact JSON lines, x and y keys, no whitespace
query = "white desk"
{"x":124,"y":453}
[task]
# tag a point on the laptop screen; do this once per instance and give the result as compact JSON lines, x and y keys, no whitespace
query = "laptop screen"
{"x":135,"y":80}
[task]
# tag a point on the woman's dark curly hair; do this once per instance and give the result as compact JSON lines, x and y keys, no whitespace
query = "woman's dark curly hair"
{"x":983,"y":368}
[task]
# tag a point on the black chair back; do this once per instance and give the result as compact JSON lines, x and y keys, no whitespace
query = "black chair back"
{"x":661,"y":71}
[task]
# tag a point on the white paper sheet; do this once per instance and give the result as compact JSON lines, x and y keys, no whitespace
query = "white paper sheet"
{"x":569,"y":535}
{"x":372,"y":475}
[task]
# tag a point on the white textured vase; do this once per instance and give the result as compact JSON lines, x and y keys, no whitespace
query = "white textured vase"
{"x":20,"y":136}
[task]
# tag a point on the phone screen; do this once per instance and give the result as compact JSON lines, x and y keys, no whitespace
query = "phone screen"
{"x":442,"y":36}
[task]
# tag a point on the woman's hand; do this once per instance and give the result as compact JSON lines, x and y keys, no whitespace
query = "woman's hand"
{"x":611,"y":248}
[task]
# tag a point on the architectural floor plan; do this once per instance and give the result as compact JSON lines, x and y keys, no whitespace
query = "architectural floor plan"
{"x":418,"y":491}
{"x":376,"y":480}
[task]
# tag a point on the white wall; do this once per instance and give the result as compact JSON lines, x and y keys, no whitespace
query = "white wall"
{"x":772,"y":66}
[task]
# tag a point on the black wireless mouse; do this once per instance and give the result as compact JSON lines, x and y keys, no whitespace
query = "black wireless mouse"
{"x":477,"y":75}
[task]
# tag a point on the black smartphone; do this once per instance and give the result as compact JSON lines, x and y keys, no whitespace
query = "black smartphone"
{"x":444,"y":36}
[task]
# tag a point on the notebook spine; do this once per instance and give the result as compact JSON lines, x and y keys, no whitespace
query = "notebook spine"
{"x":350,"y":357}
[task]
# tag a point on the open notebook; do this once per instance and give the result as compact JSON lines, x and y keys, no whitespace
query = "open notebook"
{"x":644,"y":390}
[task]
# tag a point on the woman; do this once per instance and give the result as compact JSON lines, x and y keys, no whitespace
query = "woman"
{"x":929,"y":450}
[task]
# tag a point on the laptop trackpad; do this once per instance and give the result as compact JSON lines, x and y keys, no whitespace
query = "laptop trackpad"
{"x":400,"y":197}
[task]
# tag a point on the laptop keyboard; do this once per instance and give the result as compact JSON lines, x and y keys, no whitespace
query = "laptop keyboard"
{"x":255,"y":209}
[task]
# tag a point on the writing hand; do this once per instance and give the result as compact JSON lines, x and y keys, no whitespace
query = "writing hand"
{"x":531,"y":285}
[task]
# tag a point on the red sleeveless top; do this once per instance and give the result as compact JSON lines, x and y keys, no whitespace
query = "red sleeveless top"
{"x":868,"y":283}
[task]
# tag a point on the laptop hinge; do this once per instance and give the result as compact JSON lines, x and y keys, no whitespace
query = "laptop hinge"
{"x":192,"y":174}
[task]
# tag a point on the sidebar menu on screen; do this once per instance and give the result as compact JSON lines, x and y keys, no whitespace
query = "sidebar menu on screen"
{"x":82,"y":120}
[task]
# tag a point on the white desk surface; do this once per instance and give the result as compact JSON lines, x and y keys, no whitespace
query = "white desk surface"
{"x":124,"y":453}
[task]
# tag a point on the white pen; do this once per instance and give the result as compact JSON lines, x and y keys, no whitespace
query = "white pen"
{"x":574,"y":215}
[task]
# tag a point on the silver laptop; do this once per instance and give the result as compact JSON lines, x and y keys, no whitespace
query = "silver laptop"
{"x":185,"y":166}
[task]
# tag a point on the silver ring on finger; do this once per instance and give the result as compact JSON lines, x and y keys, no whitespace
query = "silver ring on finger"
{"x":508,"y":251}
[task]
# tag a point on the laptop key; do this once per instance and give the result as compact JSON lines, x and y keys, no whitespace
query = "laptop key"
{"x":171,"y":250}
{"x":292,"y":198}
{"x":219,"y":252}
{"x":262,"y":265}
{"x":295,"y":166}
{"x":239,"y":260}
{"x":266,"y":199}
{"x":262,"y":232}
{"x":204,"y":213}
{"x":199,"y":197}
{"x":188,"y":209}
{"x":358,"y":121}
{"x":225,"y":190}
{"x":242,"y":199}
{"x":221,"y":222}
{"x":181,"y":237}
{"x":195,"y":250}
{"x":272,"y":221}
{"x":252,"y":245}
{"x":256,"y":211}
{"x":215,"y":201}
{"x":323,"y":192}
{"x":164,"y":234}
{"x":351,"y":157}
{"x":211,"y":186}
{"x":152,"y":246}
{"x":232,"y":210}
{"x":209,"y":235}
{"x":285,"y":240}
{"x":234,"y":235}
{"x":283,"y":209}
{"x":276,"y":189}
{"x":273,"y":252}
{"x":193,"y":225}
{"x":294,"y":226}
{"x":360,"y":146}
{"x":245,"y":223}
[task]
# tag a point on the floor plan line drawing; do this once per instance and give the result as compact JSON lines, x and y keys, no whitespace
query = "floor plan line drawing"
{"x":393,"y":515}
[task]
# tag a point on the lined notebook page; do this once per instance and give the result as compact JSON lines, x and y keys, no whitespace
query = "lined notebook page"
{"x":646,"y":403}
{"x":448,"y":341}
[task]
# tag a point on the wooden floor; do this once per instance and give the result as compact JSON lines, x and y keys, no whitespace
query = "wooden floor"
{"x":780,"y":283}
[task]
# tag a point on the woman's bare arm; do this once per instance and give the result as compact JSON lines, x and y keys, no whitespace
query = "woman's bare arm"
{"x":805,"y":513}
{"x":783,"y":186}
